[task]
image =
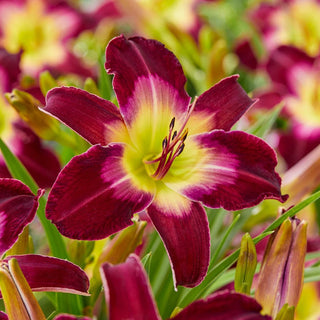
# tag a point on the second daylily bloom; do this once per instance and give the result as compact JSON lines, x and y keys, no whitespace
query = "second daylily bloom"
{"x":128,"y":296}
{"x":25,"y":272}
{"x":158,"y":153}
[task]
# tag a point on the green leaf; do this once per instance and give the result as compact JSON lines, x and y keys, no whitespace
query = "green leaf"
{"x":265,"y":122}
{"x":104,"y":81}
{"x":16,"y":168}
{"x":146,"y":261}
{"x":225,"y":236}
{"x":312,"y":274}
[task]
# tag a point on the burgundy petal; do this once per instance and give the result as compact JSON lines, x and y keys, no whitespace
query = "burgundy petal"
{"x":138,"y":58}
{"x":246,"y":54}
{"x":94,"y":196}
{"x":95,"y":119}
{"x":262,"y":16}
{"x":40,"y":160}
{"x":107,"y":9}
{"x":220,"y":107}
{"x":183,"y":227}
{"x":4,"y":172}
{"x":127,"y":291}
{"x":303,"y":138}
{"x":221,"y":306}
{"x":282,"y":60}
{"x":267,"y":99}
{"x":71,"y":64}
{"x":9,"y":66}
{"x":3,"y":316}
{"x":69,"y":317}
{"x":45,"y":273}
{"x":236,"y":171}
{"x":18,"y":206}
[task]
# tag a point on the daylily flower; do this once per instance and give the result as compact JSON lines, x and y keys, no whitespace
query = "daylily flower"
{"x":18,"y":206}
{"x":295,"y":81}
{"x":177,"y":15}
{"x":41,"y":31}
{"x":293,"y":22}
{"x":128,"y":295}
{"x":158,"y":153}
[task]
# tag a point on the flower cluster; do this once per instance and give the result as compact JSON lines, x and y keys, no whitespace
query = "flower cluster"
{"x":141,"y":141}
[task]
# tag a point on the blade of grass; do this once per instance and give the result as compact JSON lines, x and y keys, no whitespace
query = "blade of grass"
{"x":227,"y":233}
{"x":312,"y":274}
{"x":265,"y":122}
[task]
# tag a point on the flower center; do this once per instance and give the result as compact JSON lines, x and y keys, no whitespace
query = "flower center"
{"x":172,"y":147}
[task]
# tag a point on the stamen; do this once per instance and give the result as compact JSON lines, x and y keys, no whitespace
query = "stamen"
{"x":172,"y":146}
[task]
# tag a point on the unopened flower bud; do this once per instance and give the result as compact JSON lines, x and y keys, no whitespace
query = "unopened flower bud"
{"x":45,"y":126}
{"x":281,"y":275}
{"x":246,"y":265}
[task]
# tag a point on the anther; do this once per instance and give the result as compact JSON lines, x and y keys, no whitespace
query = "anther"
{"x":164,"y":143}
{"x":174,"y":134}
{"x":179,"y":151}
{"x":172,"y":123}
{"x":184,"y":135}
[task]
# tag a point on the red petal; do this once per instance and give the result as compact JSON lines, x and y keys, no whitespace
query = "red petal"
{"x":137,"y":59}
{"x":127,"y":291}
{"x":183,"y":227}
{"x":40,"y":161}
{"x":18,"y":206}
{"x":282,"y":60}
{"x":221,"y":306}
{"x":220,"y":107}
{"x":94,"y":195}
{"x":45,"y":273}
{"x":95,"y":119}
{"x":69,"y":317}
{"x":236,"y":171}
